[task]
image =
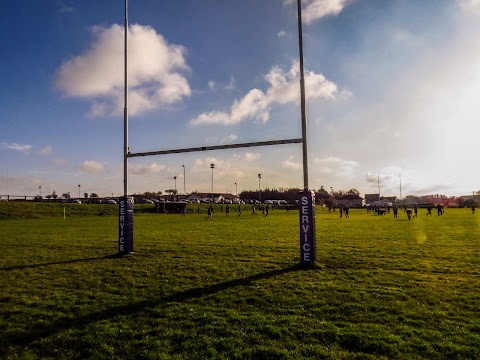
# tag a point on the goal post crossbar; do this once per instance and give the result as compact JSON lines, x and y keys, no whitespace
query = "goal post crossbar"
{"x":216,"y":147}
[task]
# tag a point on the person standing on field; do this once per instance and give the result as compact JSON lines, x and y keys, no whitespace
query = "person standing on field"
{"x":429,"y":210}
{"x":473,"y":209}
{"x":395,"y":210}
{"x":227,"y":210}
{"x":439,"y":210}
{"x":209,"y":212}
{"x":409,"y":213}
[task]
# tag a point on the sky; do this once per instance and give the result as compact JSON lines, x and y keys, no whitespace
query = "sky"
{"x":392,"y":95}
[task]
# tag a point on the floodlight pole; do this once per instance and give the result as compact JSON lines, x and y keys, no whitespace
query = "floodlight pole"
{"x":378,"y":183}
{"x":212,"y":166}
{"x":184,"y":191}
{"x":259,"y":189}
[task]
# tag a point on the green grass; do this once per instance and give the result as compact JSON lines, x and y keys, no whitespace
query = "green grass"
{"x":230,"y":288}
{"x":37,"y":210}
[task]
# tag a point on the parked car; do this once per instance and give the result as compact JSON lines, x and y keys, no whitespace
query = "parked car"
{"x":72,"y":201}
{"x":110,"y":201}
{"x":94,"y":200}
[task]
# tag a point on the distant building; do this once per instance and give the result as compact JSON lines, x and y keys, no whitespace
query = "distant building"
{"x":217,"y":197}
{"x":230,"y":197}
{"x":377,"y":200}
{"x":370,"y":198}
{"x":350,"y":200}
{"x":194,"y":197}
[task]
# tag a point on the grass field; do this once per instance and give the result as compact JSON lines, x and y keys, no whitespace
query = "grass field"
{"x":230,"y":288}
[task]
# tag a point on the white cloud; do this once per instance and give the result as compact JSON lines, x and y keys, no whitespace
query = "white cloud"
{"x":204,"y":164}
{"x":211,"y":85}
{"x":335,"y":166}
{"x":390,"y":178}
{"x":59,"y":162}
{"x":24,"y":148}
{"x":281,"y":33}
{"x":251,"y":106}
{"x":92,"y":167}
{"x":230,"y":138}
{"x":290,"y":164}
{"x":247,"y":156}
{"x":316,"y":9}
{"x":47,"y":150}
{"x":214,"y":117}
{"x":387,"y":176}
{"x":284,"y":88}
{"x":469,"y":5}
{"x":251,"y":156}
{"x":155,"y":71}
{"x":144,"y":169}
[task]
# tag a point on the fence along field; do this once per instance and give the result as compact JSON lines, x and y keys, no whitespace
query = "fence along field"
{"x":231,"y":288}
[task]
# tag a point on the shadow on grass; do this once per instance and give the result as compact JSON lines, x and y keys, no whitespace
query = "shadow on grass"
{"x":25,"y":338}
{"x":33,"y":266}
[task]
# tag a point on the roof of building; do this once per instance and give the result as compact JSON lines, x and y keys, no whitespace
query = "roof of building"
{"x":206,"y":195}
{"x":350,"y":197}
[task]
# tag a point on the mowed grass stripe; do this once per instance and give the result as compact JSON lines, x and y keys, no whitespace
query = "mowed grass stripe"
{"x":230,"y":287}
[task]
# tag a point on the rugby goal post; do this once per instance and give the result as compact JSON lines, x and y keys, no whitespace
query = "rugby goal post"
{"x":306,"y":200}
